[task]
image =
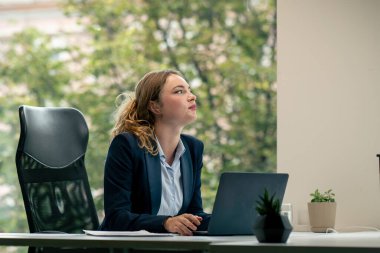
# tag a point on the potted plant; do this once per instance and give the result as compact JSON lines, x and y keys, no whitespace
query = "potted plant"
{"x":322,"y":211}
{"x":270,"y":225}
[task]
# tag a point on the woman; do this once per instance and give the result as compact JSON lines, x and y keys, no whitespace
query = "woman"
{"x":152,"y":174}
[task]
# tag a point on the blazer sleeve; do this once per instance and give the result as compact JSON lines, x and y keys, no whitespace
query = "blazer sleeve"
{"x":119,"y":183}
{"x":196,"y":207}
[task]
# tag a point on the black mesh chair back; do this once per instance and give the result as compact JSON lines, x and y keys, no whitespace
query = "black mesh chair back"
{"x":51,"y":170}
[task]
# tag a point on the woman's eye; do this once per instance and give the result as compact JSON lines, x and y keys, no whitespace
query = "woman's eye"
{"x":179,"y":92}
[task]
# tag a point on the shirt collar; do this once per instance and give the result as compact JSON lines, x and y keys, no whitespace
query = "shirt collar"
{"x":180,"y":150}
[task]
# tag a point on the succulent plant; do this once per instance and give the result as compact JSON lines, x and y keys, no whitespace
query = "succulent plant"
{"x":268,"y":205}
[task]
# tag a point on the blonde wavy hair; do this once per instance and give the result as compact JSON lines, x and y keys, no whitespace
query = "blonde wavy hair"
{"x":134,"y":116}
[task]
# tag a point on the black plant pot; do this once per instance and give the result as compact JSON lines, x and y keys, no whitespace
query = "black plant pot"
{"x":272,"y":228}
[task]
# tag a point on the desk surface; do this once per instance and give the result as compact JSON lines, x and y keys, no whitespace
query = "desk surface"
{"x":363,"y":242}
{"x":87,"y":241}
{"x":360,"y":242}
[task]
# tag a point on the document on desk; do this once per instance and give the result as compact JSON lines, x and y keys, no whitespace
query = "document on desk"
{"x":140,"y":233}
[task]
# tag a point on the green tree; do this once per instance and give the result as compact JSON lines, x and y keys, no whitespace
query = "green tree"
{"x":226,"y":49}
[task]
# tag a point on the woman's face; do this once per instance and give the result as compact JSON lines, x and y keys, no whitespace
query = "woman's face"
{"x":177,"y":104}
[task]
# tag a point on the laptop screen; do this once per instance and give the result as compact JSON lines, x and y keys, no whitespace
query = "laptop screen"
{"x":234,"y":210}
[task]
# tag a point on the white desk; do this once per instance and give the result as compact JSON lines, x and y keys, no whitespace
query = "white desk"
{"x":360,"y":242}
{"x":85,"y":241}
{"x":363,"y":242}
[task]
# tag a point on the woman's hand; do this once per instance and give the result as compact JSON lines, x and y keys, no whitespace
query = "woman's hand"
{"x":183,"y":224}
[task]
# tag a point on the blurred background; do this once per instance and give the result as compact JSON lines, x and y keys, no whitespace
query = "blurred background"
{"x":84,"y":53}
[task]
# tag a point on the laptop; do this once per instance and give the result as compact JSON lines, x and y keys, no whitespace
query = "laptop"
{"x":234,"y":210}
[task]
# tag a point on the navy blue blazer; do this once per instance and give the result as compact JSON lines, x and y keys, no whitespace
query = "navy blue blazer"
{"x":132,"y":185}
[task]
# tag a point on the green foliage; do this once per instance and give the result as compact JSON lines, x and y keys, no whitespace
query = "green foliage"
{"x":33,"y":62}
{"x":327,"y":196}
{"x":226,"y":50}
{"x":220,"y":46}
{"x":268,"y":205}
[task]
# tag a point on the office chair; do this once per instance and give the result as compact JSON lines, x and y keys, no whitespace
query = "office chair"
{"x":52,"y":174}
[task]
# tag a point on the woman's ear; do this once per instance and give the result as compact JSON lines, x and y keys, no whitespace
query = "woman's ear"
{"x":154,"y":107}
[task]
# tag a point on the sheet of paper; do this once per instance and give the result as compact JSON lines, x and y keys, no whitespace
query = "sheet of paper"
{"x":125,"y":233}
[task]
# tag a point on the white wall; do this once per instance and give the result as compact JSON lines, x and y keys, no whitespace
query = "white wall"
{"x":329,"y":105}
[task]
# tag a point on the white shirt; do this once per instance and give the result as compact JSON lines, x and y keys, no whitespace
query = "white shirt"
{"x":172,"y":193}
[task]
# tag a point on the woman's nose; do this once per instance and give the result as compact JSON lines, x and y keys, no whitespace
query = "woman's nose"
{"x":192,"y":97}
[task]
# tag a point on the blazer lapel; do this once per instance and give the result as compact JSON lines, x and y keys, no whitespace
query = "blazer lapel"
{"x":187,"y":178}
{"x":153,"y":167}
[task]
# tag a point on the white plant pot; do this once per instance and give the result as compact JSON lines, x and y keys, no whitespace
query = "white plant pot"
{"x":321,"y":216}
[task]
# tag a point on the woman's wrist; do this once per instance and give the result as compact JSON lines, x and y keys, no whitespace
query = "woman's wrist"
{"x":165,"y":221}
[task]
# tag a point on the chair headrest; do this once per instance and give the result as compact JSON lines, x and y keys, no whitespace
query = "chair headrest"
{"x":54,"y":136}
